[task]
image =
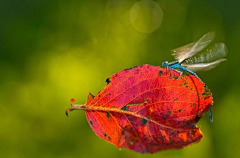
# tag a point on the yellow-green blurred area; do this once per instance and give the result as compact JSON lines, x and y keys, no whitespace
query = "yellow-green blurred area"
{"x":52,"y":51}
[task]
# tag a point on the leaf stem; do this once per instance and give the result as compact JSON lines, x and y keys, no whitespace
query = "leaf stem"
{"x":75,"y":107}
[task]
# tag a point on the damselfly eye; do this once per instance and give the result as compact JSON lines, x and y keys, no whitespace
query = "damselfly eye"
{"x":164,"y":63}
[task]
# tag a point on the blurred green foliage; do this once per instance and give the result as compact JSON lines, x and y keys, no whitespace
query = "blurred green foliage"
{"x":51,"y":51}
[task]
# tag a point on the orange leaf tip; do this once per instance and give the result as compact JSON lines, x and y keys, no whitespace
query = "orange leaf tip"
{"x":72,"y":100}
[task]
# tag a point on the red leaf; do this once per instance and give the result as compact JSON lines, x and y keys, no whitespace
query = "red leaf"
{"x":146,"y":111}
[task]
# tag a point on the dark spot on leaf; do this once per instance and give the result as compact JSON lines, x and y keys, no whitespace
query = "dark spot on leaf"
{"x":91,"y":122}
{"x":105,"y":135}
{"x":175,"y":77}
{"x":184,"y":83}
{"x":180,"y":110}
{"x":186,"y":86}
{"x":193,"y":104}
{"x":109,"y":138}
{"x":160,"y":73}
{"x":175,"y":99}
{"x":144,"y":121}
{"x":91,"y":96}
{"x":124,"y":108}
{"x":130,"y":68}
{"x":108,"y":115}
{"x":191,"y":89}
{"x":171,"y":140}
{"x":167,"y":115}
{"x":108,"y":80}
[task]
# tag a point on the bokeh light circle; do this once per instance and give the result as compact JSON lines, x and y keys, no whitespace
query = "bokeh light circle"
{"x":146,"y":16}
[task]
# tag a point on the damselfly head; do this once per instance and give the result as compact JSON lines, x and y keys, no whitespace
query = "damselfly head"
{"x":165,"y":63}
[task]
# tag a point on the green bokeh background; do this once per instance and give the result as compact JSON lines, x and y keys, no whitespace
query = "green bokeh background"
{"x":52,"y":51}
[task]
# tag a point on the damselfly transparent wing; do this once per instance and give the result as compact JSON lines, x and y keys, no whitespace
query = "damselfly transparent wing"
{"x":203,"y":66}
{"x":189,"y":50}
{"x":208,"y":59}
